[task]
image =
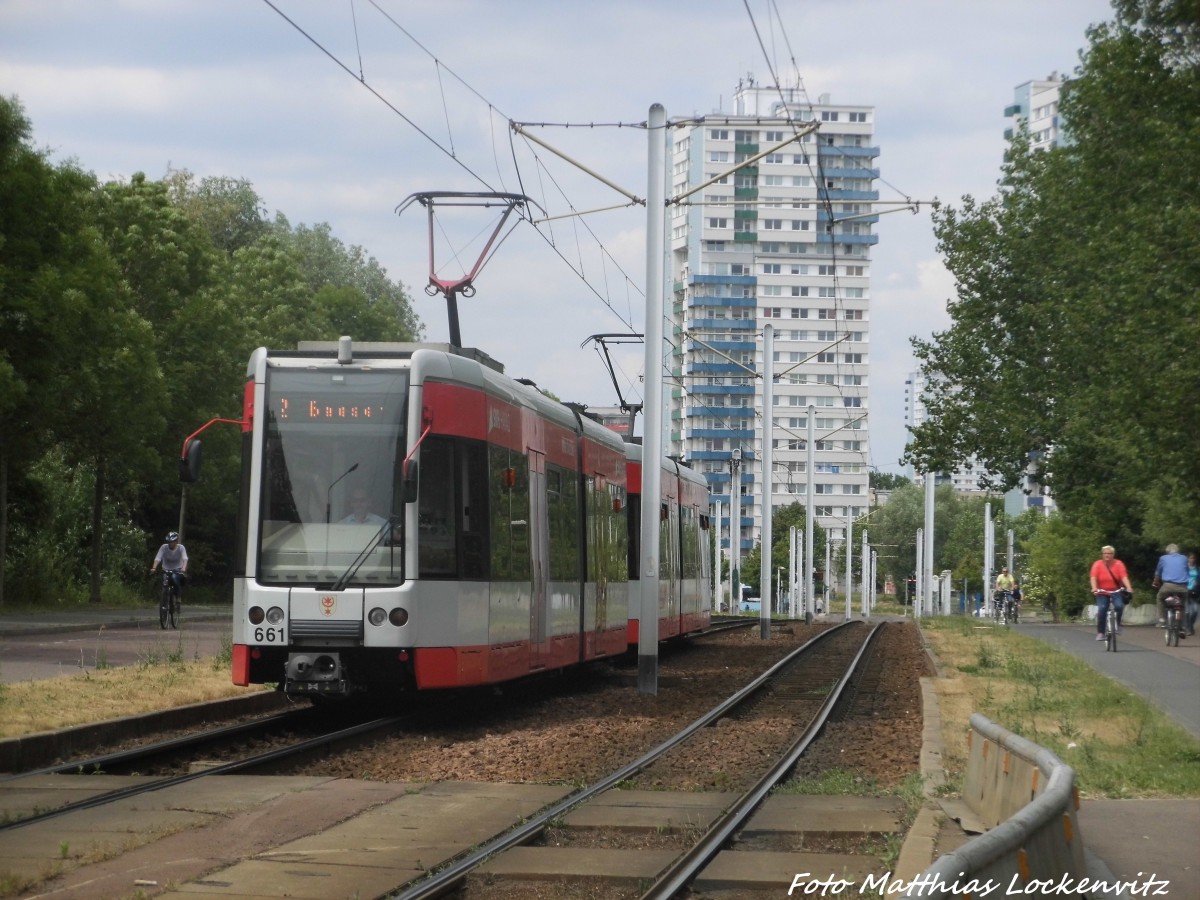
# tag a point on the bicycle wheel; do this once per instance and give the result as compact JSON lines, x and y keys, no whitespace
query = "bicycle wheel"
{"x":164,"y":602}
{"x":1110,"y":633}
{"x":173,"y":610}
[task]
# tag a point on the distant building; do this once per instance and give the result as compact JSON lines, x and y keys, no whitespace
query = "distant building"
{"x":1035,"y":103}
{"x":785,"y":240}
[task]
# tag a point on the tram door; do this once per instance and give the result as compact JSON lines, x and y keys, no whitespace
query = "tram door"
{"x":539,"y":548}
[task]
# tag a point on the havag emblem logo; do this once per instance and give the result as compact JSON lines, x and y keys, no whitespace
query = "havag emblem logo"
{"x":328,"y":605}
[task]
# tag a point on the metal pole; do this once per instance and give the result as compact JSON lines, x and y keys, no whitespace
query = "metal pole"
{"x":718,"y":586}
{"x":809,"y":525}
{"x":768,"y":458}
{"x":803,"y":601}
{"x":920,"y":590}
{"x":652,"y":414}
{"x":793,"y":592}
{"x":849,"y":562}
{"x":987,"y":559}
{"x":865,"y":563}
{"x":735,"y":531}
{"x":874,"y":581}
{"x":828,"y":597}
{"x":927,"y":594}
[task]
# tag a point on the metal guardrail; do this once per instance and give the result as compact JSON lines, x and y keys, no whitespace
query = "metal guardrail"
{"x":1027,"y":797}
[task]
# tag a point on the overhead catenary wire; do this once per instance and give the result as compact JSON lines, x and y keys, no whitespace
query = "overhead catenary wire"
{"x":543,"y":225}
{"x":439,"y":145}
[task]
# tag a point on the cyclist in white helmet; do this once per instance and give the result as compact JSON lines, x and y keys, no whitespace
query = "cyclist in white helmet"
{"x":174,"y":559}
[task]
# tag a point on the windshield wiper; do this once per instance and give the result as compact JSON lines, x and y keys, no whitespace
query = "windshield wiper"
{"x":384,"y":530}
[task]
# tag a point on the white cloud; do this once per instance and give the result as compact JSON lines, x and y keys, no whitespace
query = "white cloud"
{"x":224,"y":87}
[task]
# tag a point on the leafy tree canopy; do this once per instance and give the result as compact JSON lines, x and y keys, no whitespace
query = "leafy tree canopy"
{"x":1074,"y":326}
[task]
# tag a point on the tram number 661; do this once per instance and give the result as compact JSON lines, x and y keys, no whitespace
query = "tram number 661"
{"x":268,"y":636}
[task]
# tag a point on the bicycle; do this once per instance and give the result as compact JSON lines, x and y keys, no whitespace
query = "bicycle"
{"x":169,"y":600}
{"x":1002,"y":607}
{"x":1176,"y":629}
{"x":1111,"y":626}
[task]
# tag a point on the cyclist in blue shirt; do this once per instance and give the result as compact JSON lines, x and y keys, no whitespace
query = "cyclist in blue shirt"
{"x":1170,"y":577}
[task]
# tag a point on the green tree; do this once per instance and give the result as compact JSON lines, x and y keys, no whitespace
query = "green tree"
{"x":887,"y":481}
{"x":381,"y":306}
{"x":1076,"y":294}
{"x":44,"y":242}
{"x":228,"y":209}
{"x":783,"y":519}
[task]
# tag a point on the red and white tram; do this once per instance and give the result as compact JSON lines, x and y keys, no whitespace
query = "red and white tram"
{"x":684,"y":562}
{"x":412,"y":518}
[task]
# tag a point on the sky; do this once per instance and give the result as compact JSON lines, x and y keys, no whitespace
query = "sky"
{"x":337,"y":111}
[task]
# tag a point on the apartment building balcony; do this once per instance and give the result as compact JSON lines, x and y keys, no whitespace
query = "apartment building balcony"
{"x":745,"y":193}
{"x":725,"y":434}
{"x":728,"y":346}
{"x":748,"y":149}
{"x":867,"y":239}
{"x":861,"y":218}
{"x":745,"y":237}
{"x":842,"y":150}
{"x":842,"y":194}
{"x":724,"y":369}
{"x":701,"y":411}
{"x":727,"y":324}
{"x":717,"y":455}
{"x":744,"y":390}
{"x":724,"y":279}
{"x":845,"y":172}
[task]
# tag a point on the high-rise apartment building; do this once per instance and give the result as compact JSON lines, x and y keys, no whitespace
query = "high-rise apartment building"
{"x":785,"y":240}
{"x":968,"y":478}
{"x":1035,"y":103}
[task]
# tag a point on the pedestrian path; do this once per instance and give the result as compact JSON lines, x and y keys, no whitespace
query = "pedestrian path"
{"x":84,"y":619}
{"x":1169,"y":677}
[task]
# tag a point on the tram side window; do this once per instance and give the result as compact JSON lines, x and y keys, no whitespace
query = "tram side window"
{"x":562,"y":505}
{"x":634,"y":530}
{"x":616,"y":561}
{"x":668,"y":545}
{"x":452,"y":512}
{"x":508,"y":496}
{"x":690,"y":532}
{"x":608,"y":532}
{"x":436,"y":550}
{"x":473,"y":505}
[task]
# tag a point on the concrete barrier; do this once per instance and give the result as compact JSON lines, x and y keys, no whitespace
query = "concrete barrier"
{"x":1027,"y":798}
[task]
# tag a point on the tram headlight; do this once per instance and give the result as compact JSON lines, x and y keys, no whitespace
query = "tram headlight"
{"x":377,"y":616}
{"x":274,"y":615}
{"x":256,"y":615}
{"x":398,"y":616}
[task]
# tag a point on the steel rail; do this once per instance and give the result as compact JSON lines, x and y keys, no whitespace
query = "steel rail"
{"x":122,"y":758}
{"x":239,"y":765}
{"x":689,"y":864}
{"x":445,"y":880}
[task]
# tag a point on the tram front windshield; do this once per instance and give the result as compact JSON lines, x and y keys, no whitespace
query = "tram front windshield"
{"x":331,"y":493}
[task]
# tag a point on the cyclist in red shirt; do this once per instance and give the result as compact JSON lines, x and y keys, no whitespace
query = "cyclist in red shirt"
{"x":1109,"y":574}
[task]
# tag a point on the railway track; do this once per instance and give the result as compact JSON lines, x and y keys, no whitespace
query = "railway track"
{"x":806,"y":685}
{"x":166,"y":754}
{"x":369,"y":821}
